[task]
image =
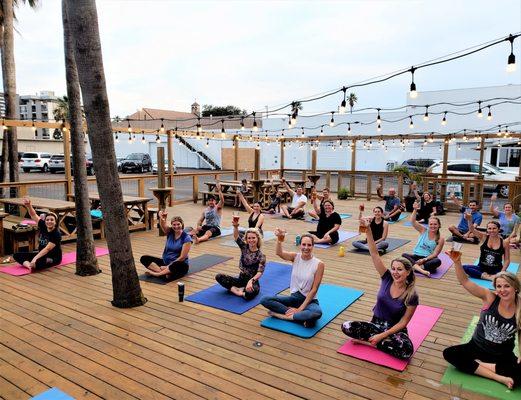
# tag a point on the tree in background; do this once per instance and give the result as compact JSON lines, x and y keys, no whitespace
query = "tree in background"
{"x":351,"y":100}
{"x":221,"y":111}
{"x":69,"y":107}
{"x":83,"y":25}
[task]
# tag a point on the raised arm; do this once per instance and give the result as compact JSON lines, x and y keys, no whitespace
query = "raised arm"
{"x":493,"y":209}
{"x":235,"y":225}
{"x":419,"y":227}
{"x":30,"y":209}
{"x":472,"y":228}
{"x":471,"y":287}
{"x":244,"y":202}
{"x":163,"y":214}
{"x":285,"y":255}
{"x":456,"y":201}
{"x":286,"y":185}
{"x":219,"y":192}
{"x":373,"y":251}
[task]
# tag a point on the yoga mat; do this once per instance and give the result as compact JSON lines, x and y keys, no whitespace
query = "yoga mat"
{"x":315,"y":221}
{"x":96,"y":213}
{"x":513,"y":267}
{"x":52,"y":394}
{"x":268,"y":235}
{"x":419,"y":327}
{"x":394,"y":243}
{"x":332,"y":299}
{"x":409,"y":223}
{"x":475,"y":383}
{"x":446,"y":263}
{"x":342,"y":237}
{"x":275,"y":279}
{"x":196,"y":264}
{"x":403,"y":215}
{"x":28,"y":222}
{"x":67,"y":258}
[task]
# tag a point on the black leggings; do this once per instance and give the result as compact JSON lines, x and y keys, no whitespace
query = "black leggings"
{"x":227,"y":281}
{"x":464,"y":357}
{"x":333,"y":235}
{"x":178,"y":269}
{"x":41,"y":263}
{"x":430,"y":265}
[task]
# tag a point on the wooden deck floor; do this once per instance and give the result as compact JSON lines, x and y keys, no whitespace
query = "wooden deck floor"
{"x":58,"y":329}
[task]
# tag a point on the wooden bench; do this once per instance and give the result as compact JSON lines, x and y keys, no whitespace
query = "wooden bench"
{"x":152,"y":212}
{"x":14,"y":240}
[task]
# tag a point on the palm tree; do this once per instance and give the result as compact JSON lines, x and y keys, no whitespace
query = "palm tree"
{"x":352,"y":99}
{"x":83,"y":24}
{"x":70,"y":108}
{"x":296,"y":106}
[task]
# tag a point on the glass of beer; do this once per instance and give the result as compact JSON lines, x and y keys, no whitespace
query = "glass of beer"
{"x":455,"y":251}
{"x":281,"y":234}
{"x":236,"y":217}
{"x":362,"y":228}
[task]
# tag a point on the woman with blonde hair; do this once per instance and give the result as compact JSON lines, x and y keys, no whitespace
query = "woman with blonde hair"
{"x":251,"y":264}
{"x":396,"y":303}
{"x":490,"y":352}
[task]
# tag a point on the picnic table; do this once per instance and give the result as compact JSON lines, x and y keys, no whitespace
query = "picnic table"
{"x":228,"y":189}
{"x":64,"y":210}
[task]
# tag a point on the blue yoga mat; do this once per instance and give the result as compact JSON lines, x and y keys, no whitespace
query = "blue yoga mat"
{"x":52,"y":394}
{"x":275,"y":279}
{"x":402,"y":216}
{"x":332,"y":299}
{"x":513,"y":267}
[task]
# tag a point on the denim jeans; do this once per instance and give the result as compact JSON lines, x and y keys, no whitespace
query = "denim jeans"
{"x":475,"y":271}
{"x":280,"y":305}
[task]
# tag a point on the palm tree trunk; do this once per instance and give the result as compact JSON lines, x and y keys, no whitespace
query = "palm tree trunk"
{"x":83,"y":25}
{"x":5,"y":146}
{"x":9,"y":80}
{"x":86,"y":261}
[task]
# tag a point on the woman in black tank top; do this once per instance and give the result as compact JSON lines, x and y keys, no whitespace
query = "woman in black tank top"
{"x":490,"y":352}
{"x":494,"y":253}
{"x":256,"y":218}
{"x":379,"y":227}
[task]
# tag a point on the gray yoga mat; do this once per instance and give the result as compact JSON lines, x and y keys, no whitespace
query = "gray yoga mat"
{"x":394,"y":243}
{"x":197,"y":264}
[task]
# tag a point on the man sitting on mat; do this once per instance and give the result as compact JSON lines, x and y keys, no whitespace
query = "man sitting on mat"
{"x":211,"y":217}
{"x":462,"y":233}
{"x":392,"y":209}
{"x":328,"y":223}
{"x":298,"y":202}
{"x":396,"y":303}
{"x":306,"y":275}
{"x":174,"y":262}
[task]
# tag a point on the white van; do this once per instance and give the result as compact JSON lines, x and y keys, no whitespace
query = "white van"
{"x":40,"y":161}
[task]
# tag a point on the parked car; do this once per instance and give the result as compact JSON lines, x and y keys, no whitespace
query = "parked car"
{"x":119,"y":161}
{"x":471,"y":167}
{"x":418,"y":164}
{"x":137,"y":162}
{"x":57,"y":164}
{"x":154,"y":168}
{"x":35,"y":160}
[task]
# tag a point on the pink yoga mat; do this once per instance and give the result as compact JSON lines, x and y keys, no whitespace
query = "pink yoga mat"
{"x":28,"y":222}
{"x":419,"y":327}
{"x":446,"y":263}
{"x":67,"y":258}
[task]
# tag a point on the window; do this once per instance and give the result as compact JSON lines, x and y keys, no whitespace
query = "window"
{"x":513,"y":158}
{"x":474,"y":168}
{"x":503,"y":158}
{"x":459,"y":168}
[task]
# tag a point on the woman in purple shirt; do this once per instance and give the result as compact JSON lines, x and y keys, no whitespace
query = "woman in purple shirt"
{"x":396,"y":303}
{"x":174,"y":262}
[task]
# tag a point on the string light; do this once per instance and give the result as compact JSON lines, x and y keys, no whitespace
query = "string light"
{"x":332,"y":122}
{"x":223,"y":132}
{"x":207,"y":143}
{"x":511,"y":64}
{"x":426,"y":115}
{"x":411,"y":124}
{"x":255,"y":127}
{"x":162,"y":129}
{"x":413,"y":93}
{"x":302,"y":134}
{"x":129,"y":128}
{"x":343,"y":105}
{"x":321,"y":131}
{"x":64,"y":128}
{"x":421,"y":148}
{"x":459,"y":146}
{"x":242,"y":123}
{"x":158,"y":139}
{"x":143,"y":137}
{"x":117,"y":137}
{"x":444,"y":120}
{"x":198,"y":125}
{"x":489,"y":115}
{"x":379,"y":128}
{"x":378,"y":119}
{"x":129,"y":138}
{"x":431,"y":138}
{"x":480,"y":111}
{"x":348,"y":128}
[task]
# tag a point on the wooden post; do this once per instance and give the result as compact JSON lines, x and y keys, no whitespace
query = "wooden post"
{"x":444,"y":168}
{"x":67,"y":161}
{"x":352,"y":183}
{"x":256,"y":165}
{"x":236,"y":157}
{"x":400,"y":186}
{"x":481,"y":157}
{"x":281,"y":170}
{"x":369,"y":188}
{"x":313,"y":162}
{"x":195,"y":187}
{"x":160,"y":167}
{"x":328,"y":179}
{"x":170,"y":152}
{"x":141,"y":187}
{"x":339,"y":182}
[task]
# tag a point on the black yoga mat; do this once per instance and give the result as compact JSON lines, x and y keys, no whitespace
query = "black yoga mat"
{"x":394,"y":243}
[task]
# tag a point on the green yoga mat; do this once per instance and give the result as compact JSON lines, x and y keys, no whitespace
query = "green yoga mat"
{"x":475,"y":383}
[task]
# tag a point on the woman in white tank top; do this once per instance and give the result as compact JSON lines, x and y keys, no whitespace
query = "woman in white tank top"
{"x":302,"y":304}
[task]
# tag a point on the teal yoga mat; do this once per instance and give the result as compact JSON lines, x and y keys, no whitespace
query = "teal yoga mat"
{"x":52,"y":394}
{"x":332,"y":299}
{"x":513,"y":267}
{"x":402,"y":216}
{"x":475,"y":383}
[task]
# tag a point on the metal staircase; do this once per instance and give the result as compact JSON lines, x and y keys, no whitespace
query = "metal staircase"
{"x":203,"y":156}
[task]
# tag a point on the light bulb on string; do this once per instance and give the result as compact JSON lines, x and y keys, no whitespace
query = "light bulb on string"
{"x":341,"y":146}
{"x":334,"y":148}
{"x":143,"y":137}
{"x":511,"y":63}
{"x":426,"y":115}
{"x":348,"y":128}
{"x":255,"y":127}
{"x":321,"y":131}
{"x":198,"y":126}
{"x":242,"y":123}
{"x":158,"y":139}
{"x":411,"y":124}
{"x":223,"y":132}
{"x":302,"y":134}
{"x":444,"y":120}
{"x":459,"y":146}
{"x":129,"y":128}
{"x":421,"y":148}
{"x":465,"y":138}
{"x":129,"y":138}
{"x":117,"y":137}
{"x":378,"y":118}
{"x":332,"y":121}
{"x":207,"y":143}
{"x":385,"y":149}
{"x":489,"y":115}
{"x":425,"y":142}
{"x":162,"y":129}
{"x":413,"y":93}
{"x":480,"y":111}
{"x":379,"y":128}
{"x":440,"y":147}
{"x":431,"y":138}
{"x":343,"y":105}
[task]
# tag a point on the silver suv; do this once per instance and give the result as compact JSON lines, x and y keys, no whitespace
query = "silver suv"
{"x":36,"y":160}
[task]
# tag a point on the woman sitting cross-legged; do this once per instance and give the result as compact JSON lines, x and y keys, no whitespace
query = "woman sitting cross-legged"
{"x":490,"y":352}
{"x":329,"y":222}
{"x":396,"y":303}
{"x":379,"y":228}
{"x":251,"y":264}
{"x":302,"y":303}
{"x":174,"y":262}
{"x":494,"y":252}
{"x":49,"y":244}
{"x":256,"y":218}
{"x":425,"y":254}
{"x":507,"y":218}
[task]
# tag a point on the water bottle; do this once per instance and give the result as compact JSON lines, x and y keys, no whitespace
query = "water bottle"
{"x":297,"y":240}
{"x":341,"y":251}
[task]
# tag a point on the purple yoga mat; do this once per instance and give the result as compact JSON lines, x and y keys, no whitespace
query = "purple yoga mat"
{"x":67,"y":258}
{"x":446,"y":263}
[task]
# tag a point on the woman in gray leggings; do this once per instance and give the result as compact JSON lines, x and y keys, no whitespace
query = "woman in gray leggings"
{"x":380,"y":229}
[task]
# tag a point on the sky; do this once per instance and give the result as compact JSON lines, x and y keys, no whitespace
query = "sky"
{"x":252,"y":54}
